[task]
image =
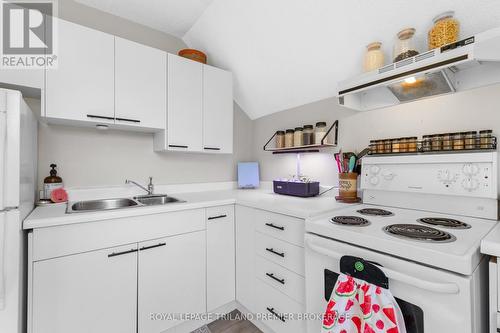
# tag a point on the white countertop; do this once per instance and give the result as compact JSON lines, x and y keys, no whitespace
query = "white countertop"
{"x":490,"y":245}
{"x":258,"y":198}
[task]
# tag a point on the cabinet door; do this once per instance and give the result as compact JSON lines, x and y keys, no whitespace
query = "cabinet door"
{"x":220,"y":256}
{"x":140,"y":85}
{"x":185,"y":93}
{"x":81,"y":87}
{"x":172,"y":279}
{"x":245,"y":256}
{"x":89,"y":292}
{"x":217,"y":110}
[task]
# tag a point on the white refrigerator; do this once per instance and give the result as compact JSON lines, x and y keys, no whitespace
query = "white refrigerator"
{"x":18,"y":180}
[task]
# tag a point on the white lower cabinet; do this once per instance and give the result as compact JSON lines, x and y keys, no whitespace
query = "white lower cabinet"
{"x":89,"y":292}
{"x":220,"y":256}
{"x":171,"y":280}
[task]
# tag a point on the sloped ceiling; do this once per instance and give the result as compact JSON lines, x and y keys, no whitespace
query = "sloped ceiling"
{"x":286,"y":53}
{"x":174,"y":17}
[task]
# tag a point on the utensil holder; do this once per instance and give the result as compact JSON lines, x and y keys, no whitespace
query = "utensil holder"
{"x":348,"y":183}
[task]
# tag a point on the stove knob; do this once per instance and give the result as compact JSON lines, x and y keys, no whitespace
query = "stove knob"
{"x":470,"y":184}
{"x":470,"y":169}
{"x":374,"y":181}
{"x":374,"y":169}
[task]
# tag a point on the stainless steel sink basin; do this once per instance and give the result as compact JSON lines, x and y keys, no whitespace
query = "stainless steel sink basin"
{"x":109,"y":204}
{"x":153,"y":200}
{"x":104,"y":204}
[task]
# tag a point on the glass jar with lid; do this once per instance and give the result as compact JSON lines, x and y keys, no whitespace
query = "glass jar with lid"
{"x":405,"y":45}
{"x":374,"y":57}
{"x":320,"y":132}
{"x":486,"y":139}
{"x":436,"y":142}
{"x":396,"y":144}
{"x":308,"y":135}
{"x":458,"y":141}
{"x":297,"y":137}
{"x":446,"y":30}
{"x":280,"y":139}
{"x":426,"y":143}
{"x":470,"y":140}
{"x":412,"y":144}
{"x":403,"y":145}
{"x":447,"y":141}
{"x":289,"y":138}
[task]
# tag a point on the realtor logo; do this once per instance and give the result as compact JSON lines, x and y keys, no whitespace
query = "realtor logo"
{"x":27,"y":34}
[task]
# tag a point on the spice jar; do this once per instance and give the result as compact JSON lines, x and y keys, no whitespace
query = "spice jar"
{"x":436,"y":142}
{"x":486,"y":139}
{"x":396,"y":145}
{"x":405,"y":46}
{"x":447,"y":141}
{"x":297,"y":137}
{"x":320,"y":132}
{"x":426,"y":143}
{"x":388,"y":146}
{"x":373,"y":146}
{"x":458,"y":141}
{"x":380,"y":147}
{"x":280,"y":139}
{"x":374,"y":57}
{"x":470,"y":140}
{"x":412,"y":144}
{"x":289,"y":138}
{"x":308,"y":135}
{"x":446,"y":30}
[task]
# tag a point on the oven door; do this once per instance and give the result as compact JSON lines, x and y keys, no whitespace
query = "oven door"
{"x":432,"y":300}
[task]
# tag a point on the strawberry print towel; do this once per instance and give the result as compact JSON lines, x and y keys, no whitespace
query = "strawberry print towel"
{"x":357,"y":306}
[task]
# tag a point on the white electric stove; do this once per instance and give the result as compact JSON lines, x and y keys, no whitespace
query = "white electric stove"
{"x":422,"y":221}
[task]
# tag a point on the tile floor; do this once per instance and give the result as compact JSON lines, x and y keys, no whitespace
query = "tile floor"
{"x":232,"y":324}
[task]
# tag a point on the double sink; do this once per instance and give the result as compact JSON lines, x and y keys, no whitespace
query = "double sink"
{"x":110,"y":204}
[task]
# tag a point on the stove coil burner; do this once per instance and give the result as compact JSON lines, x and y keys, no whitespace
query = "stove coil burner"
{"x":375,"y":212}
{"x":444,"y":222}
{"x":354,"y":221}
{"x":419,"y":232}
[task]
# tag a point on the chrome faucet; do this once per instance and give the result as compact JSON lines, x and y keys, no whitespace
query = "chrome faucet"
{"x":149,"y":189}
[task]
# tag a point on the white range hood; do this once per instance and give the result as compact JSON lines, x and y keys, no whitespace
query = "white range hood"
{"x":470,"y":63}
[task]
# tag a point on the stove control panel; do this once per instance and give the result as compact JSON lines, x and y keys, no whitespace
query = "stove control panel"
{"x":473,"y":174}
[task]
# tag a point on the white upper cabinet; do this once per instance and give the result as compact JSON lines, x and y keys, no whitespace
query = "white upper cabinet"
{"x":140,"y":85}
{"x":217,"y":110}
{"x":185,"y":104}
{"x":81,"y":87}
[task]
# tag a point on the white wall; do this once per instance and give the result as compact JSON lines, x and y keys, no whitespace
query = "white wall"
{"x":472,"y":110}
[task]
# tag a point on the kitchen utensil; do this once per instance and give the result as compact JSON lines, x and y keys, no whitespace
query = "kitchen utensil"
{"x":352,"y":163}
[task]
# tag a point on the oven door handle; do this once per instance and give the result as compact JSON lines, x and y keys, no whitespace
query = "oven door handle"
{"x":443,"y":288}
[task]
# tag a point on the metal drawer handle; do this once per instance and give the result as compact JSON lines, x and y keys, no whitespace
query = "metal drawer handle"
{"x":280,"y":317}
{"x":281,"y":254}
{"x":271,"y":275}
{"x":178,"y":146}
{"x":99,"y":117}
{"x":217,"y":217}
{"x":114,"y":254}
{"x":129,"y":120}
{"x":275,"y":226}
{"x":152,"y":246}
{"x":211,"y":148}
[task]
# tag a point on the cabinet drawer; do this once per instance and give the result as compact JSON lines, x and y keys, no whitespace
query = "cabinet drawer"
{"x":288,"y":282}
{"x":279,"y":311}
{"x":284,"y":227}
{"x":220,"y":213}
{"x":283,"y":253}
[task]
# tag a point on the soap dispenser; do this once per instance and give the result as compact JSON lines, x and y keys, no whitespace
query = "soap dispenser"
{"x":52,"y":182}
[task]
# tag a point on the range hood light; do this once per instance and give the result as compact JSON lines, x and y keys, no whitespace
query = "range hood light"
{"x":411,"y":80}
